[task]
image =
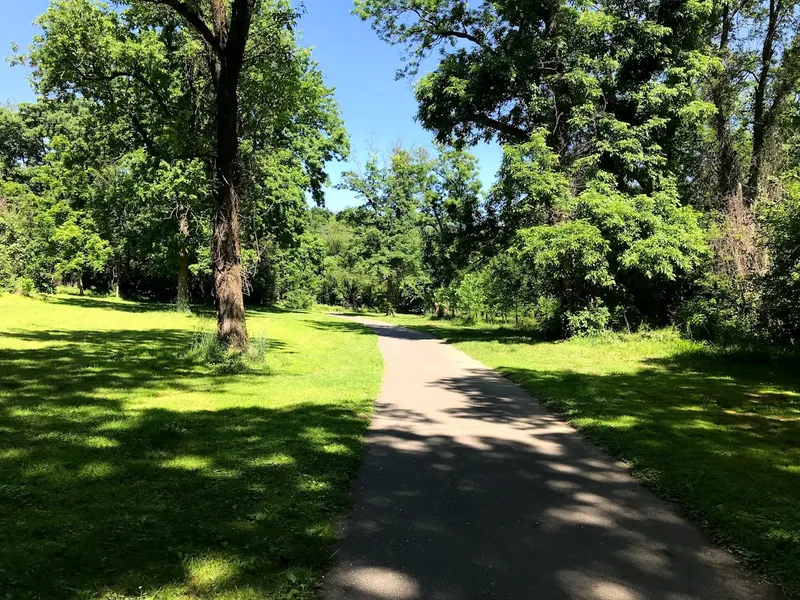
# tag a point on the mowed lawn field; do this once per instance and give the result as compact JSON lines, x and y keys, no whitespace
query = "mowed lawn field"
{"x":128,"y":468}
{"x":719,"y":433}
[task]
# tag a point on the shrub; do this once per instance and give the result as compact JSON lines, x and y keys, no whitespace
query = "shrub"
{"x":206,"y":349}
{"x":718,"y":312}
{"x":24,"y":286}
{"x":548,"y":316}
{"x":471,"y":297}
{"x":781,"y":284}
{"x":298,"y":299}
{"x":607,"y":248}
{"x":589,"y":321}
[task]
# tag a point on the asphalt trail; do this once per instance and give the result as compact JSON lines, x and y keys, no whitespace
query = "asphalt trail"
{"x":469,"y":489}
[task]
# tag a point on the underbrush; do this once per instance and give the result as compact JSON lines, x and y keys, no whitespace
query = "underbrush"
{"x":207,"y":349}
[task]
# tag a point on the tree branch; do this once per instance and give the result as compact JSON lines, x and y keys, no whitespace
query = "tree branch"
{"x":189,"y":11}
{"x":514,"y":132}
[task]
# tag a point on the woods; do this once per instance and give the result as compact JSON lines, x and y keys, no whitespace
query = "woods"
{"x":158,"y":113}
{"x":649,"y":171}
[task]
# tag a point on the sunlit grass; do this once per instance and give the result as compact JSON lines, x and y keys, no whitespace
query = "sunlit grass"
{"x":718,"y":432}
{"x":129,"y":467}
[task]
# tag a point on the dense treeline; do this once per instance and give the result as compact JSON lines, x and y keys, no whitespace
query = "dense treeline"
{"x":650,"y":173}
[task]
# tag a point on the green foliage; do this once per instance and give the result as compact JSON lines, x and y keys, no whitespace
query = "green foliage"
{"x":470,"y":297}
{"x":529,"y":187}
{"x":569,"y":259}
{"x":592,"y":320}
{"x":25,"y":286}
{"x":612,"y":249}
{"x":25,"y":252}
{"x":79,"y":249}
{"x":718,"y":313}
{"x":614,"y":119}
{"x":139,"y":160}
{"x":608,"y":82}
{"x":781,"y":230}
{"x":451,"y":216}
{"x":390,"y":242}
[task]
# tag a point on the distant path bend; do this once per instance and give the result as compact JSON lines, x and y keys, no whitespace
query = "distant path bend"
{"x":470,"y":490}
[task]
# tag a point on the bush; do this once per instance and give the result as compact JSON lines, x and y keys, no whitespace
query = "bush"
{"x":589,"y":321}
{"x":608,"y":248}
{"x":24,"y":286}
{"x":718,"y":312}
{"x":781,"y":284}
{"x":548,"y":316}
{"x":471,"y":297}
{"x":298,"y":300}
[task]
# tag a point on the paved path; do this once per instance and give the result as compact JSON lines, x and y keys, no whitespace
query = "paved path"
{"x":470,"y":490}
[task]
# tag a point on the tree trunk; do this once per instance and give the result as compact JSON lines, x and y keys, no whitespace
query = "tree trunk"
{"x":80,"y":283}
{"x":760,"y":111}
{"x":729,"y":168}
{"x":183,"y":260}
{"x":226,"y":257}
{"x":115,"y":273}
{"x":225,"y":38}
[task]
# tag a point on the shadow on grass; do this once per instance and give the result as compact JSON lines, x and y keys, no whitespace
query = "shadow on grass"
{"x":109,"y":304}
{"x":98,"y":499}
{"x":341,"y":325}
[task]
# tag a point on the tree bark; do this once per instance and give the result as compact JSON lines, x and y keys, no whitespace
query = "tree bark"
{"x":184,"y":277}
{"x":115,"y":276}
{"x":80,"y":283}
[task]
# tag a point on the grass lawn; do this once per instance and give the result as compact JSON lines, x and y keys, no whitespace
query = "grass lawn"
{"x":720,"y":434}
{"x":127,"y":469}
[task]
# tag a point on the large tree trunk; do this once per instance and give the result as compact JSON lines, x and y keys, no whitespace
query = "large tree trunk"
{"x":226,"y":254}
{"x":184,"y":277}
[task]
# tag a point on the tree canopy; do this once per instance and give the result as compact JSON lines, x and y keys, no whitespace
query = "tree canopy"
{"x":178,"y":150}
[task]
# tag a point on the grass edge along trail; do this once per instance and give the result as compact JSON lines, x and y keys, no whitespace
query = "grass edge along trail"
{"x":128,"y":469}
{"x":717,"y":432}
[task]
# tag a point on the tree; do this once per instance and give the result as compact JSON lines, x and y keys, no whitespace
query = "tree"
{"x":451,"y":217}
{"x":224,"y":31}
{"x":390,"y":238}
{"x":216,"y":85}
{"x":614,"y":251}
{"x":608,"y":82}
{"x":757,"y":52}
{"x":78,"y":248}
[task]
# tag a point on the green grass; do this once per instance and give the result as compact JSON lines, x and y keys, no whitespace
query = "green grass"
{"x":130,"y":469}
{"x":719,"y":433}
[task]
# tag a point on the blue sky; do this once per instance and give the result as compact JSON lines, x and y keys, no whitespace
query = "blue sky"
{"x":377,"y":110}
